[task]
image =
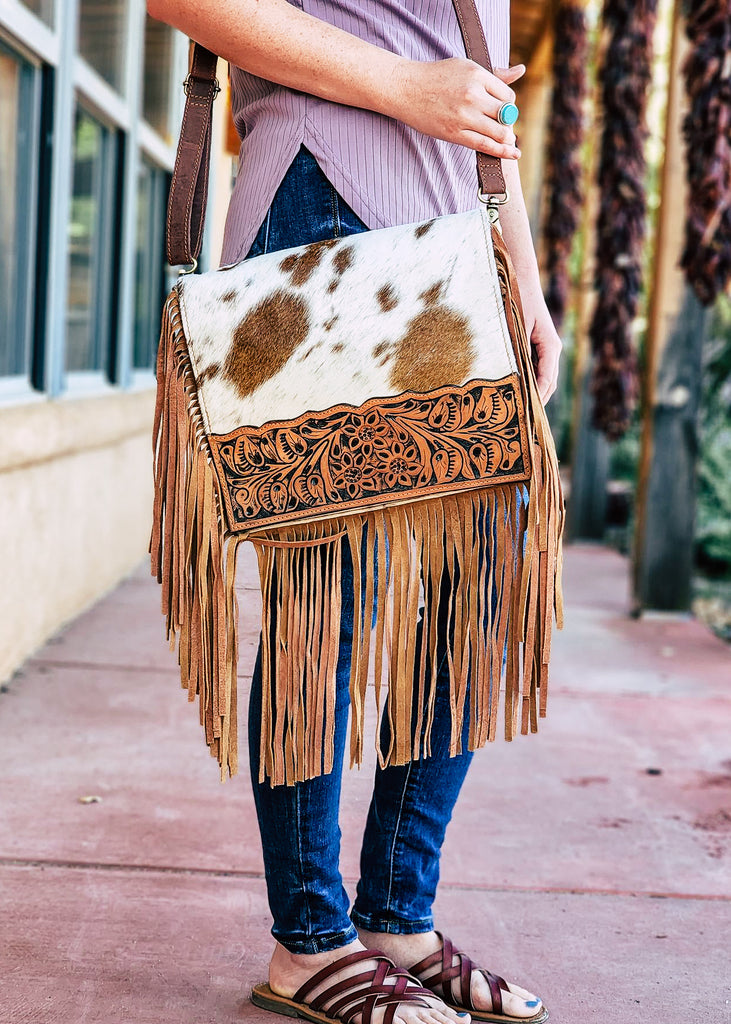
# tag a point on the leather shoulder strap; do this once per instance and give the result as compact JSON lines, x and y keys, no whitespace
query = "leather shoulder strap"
{"x":189,"y":187}
{"x":489,"y":168}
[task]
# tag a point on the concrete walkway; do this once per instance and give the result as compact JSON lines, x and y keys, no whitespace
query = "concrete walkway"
{"x":590,"y":862}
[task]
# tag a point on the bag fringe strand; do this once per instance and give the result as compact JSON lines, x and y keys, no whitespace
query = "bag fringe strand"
{"x":190,"y":553}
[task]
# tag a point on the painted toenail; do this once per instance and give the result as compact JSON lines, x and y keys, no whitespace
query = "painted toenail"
{"x":463,"y":1014}
{"x":532,"y":1002}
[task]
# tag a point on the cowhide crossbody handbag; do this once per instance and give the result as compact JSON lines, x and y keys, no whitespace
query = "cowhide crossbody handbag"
{"x":375,"y":390}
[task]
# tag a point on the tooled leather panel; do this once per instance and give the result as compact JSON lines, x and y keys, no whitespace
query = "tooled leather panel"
{"x":384,"y":452}
{"x":411,"y":308}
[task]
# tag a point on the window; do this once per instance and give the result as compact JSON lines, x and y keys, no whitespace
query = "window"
{"x":89,"y":101}
{"x":102,"y":38}
{"x":150,"y":283}
{"x":19,"y":98}
{"x":91,"y":238}
{"x":158,"y":74}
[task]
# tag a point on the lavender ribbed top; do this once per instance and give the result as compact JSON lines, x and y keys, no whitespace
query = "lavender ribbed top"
{"x":388,"y":173}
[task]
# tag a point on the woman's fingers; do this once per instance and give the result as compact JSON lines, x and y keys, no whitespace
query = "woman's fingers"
{"x":548,"y":347}
{"x":490,"y":145}
{"x":511,"y":74}
{"x":498,"y":82}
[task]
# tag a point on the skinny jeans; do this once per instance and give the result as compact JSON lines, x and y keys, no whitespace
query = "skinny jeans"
{"x":412,"y":804}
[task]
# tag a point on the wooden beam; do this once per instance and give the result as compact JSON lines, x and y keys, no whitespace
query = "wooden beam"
{"x":533,"y":93}
{"x":663,"y":550}
{"x":587,"y":502}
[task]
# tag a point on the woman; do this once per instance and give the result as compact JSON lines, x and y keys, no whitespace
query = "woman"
{"x":360,"y":114}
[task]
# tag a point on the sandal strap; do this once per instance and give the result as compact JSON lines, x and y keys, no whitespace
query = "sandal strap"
{"x":382,"y":985}
{"x":453,"y":982}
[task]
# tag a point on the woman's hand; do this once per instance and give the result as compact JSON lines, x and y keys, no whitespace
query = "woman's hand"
{"x":539,"y":325}
{"x":458,"y":101}
{"x":547,"y":344}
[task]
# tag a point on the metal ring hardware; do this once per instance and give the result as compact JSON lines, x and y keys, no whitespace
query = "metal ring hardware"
{"x":493,"y":198}
{"x":189,"y":78}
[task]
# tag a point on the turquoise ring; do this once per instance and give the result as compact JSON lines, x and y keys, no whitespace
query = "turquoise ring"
{"x":508,"y":114}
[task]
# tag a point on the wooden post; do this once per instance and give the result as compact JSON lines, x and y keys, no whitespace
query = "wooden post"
{"x":534,"y":96}
{"x":587,"y":502}
{"x":677,"y":323}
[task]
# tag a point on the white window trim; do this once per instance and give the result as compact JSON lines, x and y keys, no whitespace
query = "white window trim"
{"x":60,"y":207}
{"x":82,"y":383}
{"x":133,"y":91}
{"x":23,"y":25}
{"x":16,"y":389}
{"x":99,"y":98}
{"x":142,"y":380}
{"x":155,"y":148}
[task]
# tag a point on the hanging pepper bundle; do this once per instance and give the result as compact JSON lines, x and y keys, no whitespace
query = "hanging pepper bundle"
{"x":624,"y":77}
{"x":565,"y":132}
{"x":706,"y":258}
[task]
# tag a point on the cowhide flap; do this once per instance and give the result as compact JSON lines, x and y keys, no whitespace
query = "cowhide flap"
{"x":357,"y":371}
{"x":345,"y":320}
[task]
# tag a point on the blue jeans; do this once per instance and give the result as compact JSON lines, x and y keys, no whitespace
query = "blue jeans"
{"x":411,"y":805}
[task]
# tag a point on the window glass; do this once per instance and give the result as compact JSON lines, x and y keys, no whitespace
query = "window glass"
{"x":43,"y":8}
{"x":90,"y":245}
{"x":17,"y":204}
{"x":103,"y":38}
{"x":158,"y":76}
{"x":150,"y":283}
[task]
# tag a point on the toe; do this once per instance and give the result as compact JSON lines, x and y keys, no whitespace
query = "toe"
{"x":454,"y":1016}
{"x":445,"y":1016}
{"x":448,"y":1016}
{"x":518,"y":1002}
{"x":523,"y":993}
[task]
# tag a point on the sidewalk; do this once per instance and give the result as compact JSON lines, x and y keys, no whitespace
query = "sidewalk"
{"x":591,"y":863}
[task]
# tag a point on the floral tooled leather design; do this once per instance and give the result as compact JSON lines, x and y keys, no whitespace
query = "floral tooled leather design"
{"x":385,"y":451}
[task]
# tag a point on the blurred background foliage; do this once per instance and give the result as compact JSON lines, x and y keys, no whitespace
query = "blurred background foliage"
{"x":712,"y":584}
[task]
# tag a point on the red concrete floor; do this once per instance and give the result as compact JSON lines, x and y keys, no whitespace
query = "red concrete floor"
{"x":590,"y":862}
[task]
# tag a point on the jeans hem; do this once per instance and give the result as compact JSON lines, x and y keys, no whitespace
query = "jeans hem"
{"x":317,"y":943}
{"x":391,"y":924}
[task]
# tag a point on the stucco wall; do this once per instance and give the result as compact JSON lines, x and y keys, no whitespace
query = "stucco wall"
{"x":75,"y":500}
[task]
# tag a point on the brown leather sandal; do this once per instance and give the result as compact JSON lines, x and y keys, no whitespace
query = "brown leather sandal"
{"x":452,"y":982}
{"x":384,"y":984}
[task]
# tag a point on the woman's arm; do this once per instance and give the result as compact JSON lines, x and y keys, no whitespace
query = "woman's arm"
{"x":538,"y":322}
{"x":455,"y":100}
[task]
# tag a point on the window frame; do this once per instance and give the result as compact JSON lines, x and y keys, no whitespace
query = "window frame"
{"x":19,"y":385}
{"x":103,"y":262}
{"x":156,"y":278}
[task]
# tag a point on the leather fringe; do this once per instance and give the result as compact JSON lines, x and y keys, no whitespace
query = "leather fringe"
{"x":190,"y":553}
{"x":480,"y":569}
{"x":541,"y":595}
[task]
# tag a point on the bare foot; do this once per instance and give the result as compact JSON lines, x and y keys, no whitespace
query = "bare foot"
{"x":289,"y":971}
{"x":408,"y":950}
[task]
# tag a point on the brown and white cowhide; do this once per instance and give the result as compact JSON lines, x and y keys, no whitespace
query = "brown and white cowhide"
{"x":409,"y":308}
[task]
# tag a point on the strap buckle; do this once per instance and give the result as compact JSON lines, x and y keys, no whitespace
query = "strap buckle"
{"x":190,"y":78}
{"x":493,"y":198}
